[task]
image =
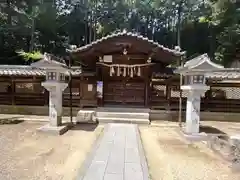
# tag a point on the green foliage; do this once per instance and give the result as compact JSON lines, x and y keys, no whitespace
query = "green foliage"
{"x":30,"y":56}
{"x":203,"y":19}
{"x":206,"y":26}
{"x":229,"y":43}
{"x":226,"y":16}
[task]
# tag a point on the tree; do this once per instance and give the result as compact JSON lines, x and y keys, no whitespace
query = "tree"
{"x":200,"y":26}
{"x":226,"y":16}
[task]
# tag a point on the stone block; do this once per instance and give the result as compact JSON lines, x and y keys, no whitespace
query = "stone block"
{"x":84,"y":116}
{"x":53,"y":130}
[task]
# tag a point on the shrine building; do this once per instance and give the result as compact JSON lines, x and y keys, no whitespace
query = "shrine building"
{"x":123,"y":70}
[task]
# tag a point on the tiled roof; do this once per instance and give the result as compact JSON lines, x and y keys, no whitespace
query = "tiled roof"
{"x":18,"y":70}
{"x":124,"y":33}
{"x":224,"y":74}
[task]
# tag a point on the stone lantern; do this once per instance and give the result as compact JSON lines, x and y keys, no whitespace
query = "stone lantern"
{"x":55,"y":84}
{"x":194,"y":83}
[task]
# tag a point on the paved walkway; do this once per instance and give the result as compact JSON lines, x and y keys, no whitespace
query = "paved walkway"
{"x":118,"y":155}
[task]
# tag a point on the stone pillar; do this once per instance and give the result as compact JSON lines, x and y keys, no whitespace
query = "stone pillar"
{"x":55,"y":101}
{"x":193,"y":107}
{"x":193,"y":112}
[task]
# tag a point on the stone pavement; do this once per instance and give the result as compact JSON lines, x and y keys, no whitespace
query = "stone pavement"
{"x":117,"y":155}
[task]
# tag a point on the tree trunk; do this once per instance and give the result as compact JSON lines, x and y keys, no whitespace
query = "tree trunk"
{"x":179,"y":13}
{"x":31,"y":47}
{"x":9,"y":16}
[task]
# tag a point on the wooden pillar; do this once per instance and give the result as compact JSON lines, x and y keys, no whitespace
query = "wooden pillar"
{"x":103,"y":89}
{"x":168,"y":97}
{"x":81,"y":90}
{"x":147,"y":87}
{"x":13,"y":88}
{"x":46,"y":97}
{"x":103,"y":86}
{"x":146,"y":94}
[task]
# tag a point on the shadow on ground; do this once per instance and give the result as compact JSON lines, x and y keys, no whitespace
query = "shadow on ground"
{"x":210,"y":130}
{"x":213,"y":130}
{"x":84,"y":127}
{"x":10,"y":121}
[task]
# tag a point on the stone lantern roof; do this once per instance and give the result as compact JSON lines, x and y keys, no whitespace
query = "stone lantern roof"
{"x":199,"y":64}
{"x":48,"y":62}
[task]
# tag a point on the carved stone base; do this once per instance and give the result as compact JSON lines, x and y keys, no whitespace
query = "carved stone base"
{"x":53,"y":130}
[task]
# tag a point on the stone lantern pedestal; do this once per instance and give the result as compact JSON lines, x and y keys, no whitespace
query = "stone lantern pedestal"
{"x":55,"y":125}
{"x":55,"y":101}
{"x":194,"y":93}
{"x":55,"y":84}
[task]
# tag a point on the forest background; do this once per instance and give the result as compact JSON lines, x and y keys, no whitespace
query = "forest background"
{"x":197,"y":26}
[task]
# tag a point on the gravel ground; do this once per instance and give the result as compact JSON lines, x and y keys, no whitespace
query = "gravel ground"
{"x":30,"y":155}
{"x":170,"y":157}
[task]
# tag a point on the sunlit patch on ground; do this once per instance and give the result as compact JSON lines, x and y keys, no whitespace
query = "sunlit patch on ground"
{"x":28,"y":154}
{"x":170,"y":157}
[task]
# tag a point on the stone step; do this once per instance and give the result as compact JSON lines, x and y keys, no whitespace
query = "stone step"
{"x":122,"y":120}
{"x":122,"y":109}
{"x":126,"y":115}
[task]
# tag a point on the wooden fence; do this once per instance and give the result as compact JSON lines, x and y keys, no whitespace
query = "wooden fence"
{"x":164,"y":96}
{"x":220,"y":97}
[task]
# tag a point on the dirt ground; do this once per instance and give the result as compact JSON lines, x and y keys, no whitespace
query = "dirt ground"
{"x":170,"y":157}
{"x":230,"y":128}
{"x":30,"y":155}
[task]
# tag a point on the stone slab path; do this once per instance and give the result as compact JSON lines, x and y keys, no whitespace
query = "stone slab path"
{"x":117,"y":155}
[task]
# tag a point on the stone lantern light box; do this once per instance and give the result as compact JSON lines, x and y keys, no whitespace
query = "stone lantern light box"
{"x":195,"y":70}
{"x":194,"y":74}
{"x":55,"y":84}
{"x":55,"y":71}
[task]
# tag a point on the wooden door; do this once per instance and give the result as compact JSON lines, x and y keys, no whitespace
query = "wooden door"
{"x":88,"y":94}
{"x":124,"y":92}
